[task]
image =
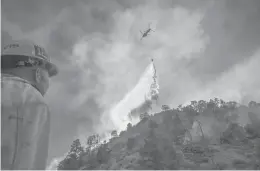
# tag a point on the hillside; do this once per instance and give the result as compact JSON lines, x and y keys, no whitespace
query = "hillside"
{"x":202,"y":135}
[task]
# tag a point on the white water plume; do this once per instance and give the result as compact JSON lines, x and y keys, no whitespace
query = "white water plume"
{"x":134,"y":99}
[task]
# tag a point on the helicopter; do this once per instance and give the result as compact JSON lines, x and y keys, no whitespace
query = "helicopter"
{"x":146,"y":32}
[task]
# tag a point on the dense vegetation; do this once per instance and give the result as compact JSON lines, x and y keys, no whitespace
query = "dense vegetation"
{"x":168,"y":140}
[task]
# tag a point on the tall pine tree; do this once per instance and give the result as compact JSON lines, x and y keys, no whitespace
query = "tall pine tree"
{"x":72,"y":160}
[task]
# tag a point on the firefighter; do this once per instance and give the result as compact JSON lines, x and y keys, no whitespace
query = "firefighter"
{"x":25,"y":117}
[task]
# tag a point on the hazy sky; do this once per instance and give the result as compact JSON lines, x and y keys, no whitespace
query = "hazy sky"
{"x":202,"y":49}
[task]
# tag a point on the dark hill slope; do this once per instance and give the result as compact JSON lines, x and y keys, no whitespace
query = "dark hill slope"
{"x":202,"y":135}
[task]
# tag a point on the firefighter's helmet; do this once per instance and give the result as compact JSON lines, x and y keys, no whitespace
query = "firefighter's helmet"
{"x":26,"y":53}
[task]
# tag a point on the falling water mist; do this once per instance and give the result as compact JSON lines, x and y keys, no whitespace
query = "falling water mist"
{"x":135,"y":99}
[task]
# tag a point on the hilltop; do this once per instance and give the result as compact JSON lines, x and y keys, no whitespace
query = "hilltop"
{"x":201,"y":135}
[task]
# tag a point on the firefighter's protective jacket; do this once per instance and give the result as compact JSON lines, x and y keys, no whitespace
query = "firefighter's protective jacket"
{"x":25,"y":125}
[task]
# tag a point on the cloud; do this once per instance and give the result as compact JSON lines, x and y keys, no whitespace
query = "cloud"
{"x":199,"y":48}
{"x":239,"y":83}
{"x":122,"y":57}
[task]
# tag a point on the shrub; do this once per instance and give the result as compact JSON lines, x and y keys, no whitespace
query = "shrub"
{"x":129,"y":126}
{"x":103,"y":154}
{"x":130,"y":143}
{"x":122,"y":133}
{"x":165,"y":107}
{"x":152,"y":124}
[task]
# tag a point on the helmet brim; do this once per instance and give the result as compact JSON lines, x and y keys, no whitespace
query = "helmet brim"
{"x":11,"y":60}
